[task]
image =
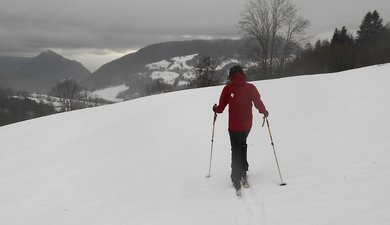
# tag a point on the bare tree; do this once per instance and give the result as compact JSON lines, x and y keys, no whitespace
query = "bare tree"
{"x":205,"y":72}
{"x":70,"y":94}
{"x":280,"y":10}
{"x":267,"y":22}
{"x":256,"y":27}
{"x":294,"y":34}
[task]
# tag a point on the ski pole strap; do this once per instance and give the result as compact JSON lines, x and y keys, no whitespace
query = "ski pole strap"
{"x":263,"y":121}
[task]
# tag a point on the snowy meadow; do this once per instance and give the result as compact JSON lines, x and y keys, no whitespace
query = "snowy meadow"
{"x":145,"y":161}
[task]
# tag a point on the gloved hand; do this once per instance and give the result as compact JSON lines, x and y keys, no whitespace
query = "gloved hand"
{"x":214,"y":107}
{"x":266,"y":113}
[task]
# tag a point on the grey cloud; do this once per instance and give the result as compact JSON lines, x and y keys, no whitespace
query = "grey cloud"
{"x":102,"y":27}
{"x":119,"y":25}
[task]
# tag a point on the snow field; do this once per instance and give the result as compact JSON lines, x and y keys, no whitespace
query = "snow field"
{"x":144,"y":161}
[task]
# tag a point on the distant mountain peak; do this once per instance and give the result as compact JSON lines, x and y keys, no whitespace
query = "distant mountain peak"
{"x":43,"y":71}
{"x":50,"y":54}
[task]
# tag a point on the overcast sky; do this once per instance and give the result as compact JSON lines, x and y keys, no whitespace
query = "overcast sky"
{"x":95,"y":32}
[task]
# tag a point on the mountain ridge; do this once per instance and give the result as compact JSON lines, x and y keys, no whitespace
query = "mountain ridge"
{"x":41,"y":73}
{"x":11,"y":63}
{"x":123,"y":69}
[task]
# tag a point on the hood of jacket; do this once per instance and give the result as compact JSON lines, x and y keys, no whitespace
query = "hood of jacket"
{"x":237,"y":79}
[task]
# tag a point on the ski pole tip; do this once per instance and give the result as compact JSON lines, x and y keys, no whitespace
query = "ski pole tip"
{"x":283,"y":184}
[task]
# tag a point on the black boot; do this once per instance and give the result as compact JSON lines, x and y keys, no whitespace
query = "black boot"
{"x":243,"y":175}
{"x":244,"y":180}
{"x":237,"y":185}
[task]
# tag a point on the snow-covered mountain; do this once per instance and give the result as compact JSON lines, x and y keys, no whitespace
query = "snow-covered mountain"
{"x":173,"y":69}
{"x":144,"y":161}
{"x":176,"y":72}
{"x":172,"y":62}
{"x":181,"y":69}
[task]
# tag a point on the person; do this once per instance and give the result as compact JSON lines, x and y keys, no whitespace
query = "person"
{"x":240,"y":96}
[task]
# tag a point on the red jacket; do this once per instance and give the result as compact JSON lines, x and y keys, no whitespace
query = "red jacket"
{"x":239,"y":95}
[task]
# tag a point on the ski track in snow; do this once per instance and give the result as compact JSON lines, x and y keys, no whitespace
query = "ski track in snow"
{"x":251,"y":208}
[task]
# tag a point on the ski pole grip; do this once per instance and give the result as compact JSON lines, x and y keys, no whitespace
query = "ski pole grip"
{"x":215,"y":114}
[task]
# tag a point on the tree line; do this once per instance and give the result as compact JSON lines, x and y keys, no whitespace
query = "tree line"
{"x":371,"y":46}
{"x":71,"y":96}
{"x":66,"y":95}
{"x":16,"y":107}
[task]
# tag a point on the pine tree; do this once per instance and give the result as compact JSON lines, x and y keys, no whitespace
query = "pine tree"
{"x":341,"y":55}
{"x":364,"y":31}
{"x":342,"y":37}
{"x":377,"y":24}
{"x":370,"y":34}
{"x":370,"y":29}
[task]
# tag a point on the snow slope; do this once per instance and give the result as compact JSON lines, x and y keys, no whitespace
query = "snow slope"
{"x":170,"y":70}
{"x":110,"y":93}
{"x":144,"y":161}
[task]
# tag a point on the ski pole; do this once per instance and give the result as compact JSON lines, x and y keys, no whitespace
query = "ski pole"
{"x":212,"y":144}
{"x":265,"y":119}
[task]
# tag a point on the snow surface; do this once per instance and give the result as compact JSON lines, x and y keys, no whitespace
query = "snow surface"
{"x":110,"y":93}
{"x":167,"y":76}
{"x":227,"y":62}
{"x":181,"y":62}
{"x":160,"y":65}
{"x":174,"y":63}
{"x":169,"y":70}
{"x":144,"y":161}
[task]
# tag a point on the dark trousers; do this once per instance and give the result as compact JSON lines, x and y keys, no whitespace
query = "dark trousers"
{"x":239,"y":154}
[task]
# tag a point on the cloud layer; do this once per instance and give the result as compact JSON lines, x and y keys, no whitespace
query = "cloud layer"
{"x":99,"y":27}
{"x":119,"y":25}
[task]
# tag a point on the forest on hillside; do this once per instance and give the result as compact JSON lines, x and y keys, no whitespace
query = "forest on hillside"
{"x":15,"y":107}
{"x":344,"y":51}
{"x":278,"y":47}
